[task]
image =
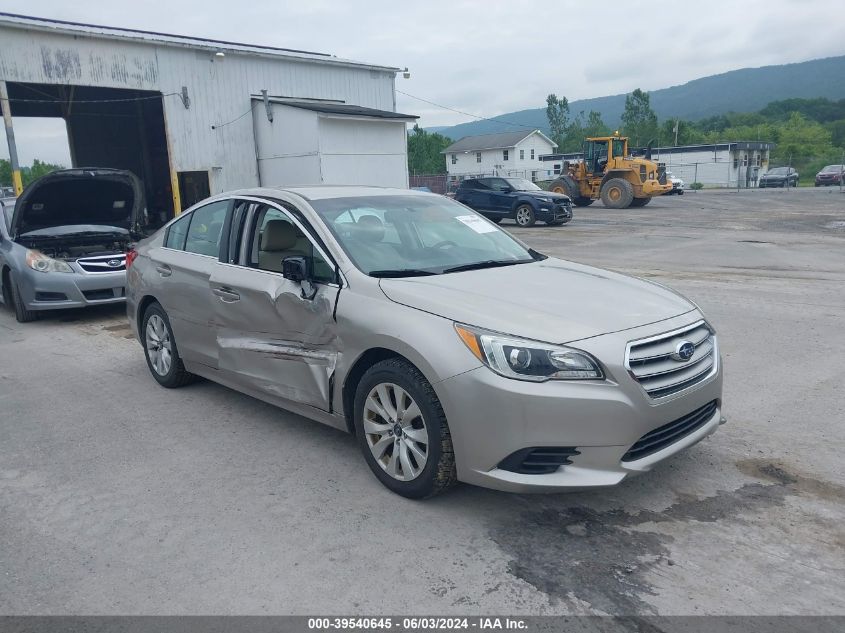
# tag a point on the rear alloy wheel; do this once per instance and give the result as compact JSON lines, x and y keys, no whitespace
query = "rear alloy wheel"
{"x":525,"y":215}
{"x":617,"y":193}
{"x":402,"y":430}
{"x":22,"y":314}
{"x":160,"y":350}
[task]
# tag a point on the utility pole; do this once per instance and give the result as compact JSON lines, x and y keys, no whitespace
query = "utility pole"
{"x":677,"y":125}
{"x":17,"y":183}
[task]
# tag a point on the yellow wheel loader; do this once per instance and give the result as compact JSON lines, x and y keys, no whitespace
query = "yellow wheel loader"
{"x":609,"y":173}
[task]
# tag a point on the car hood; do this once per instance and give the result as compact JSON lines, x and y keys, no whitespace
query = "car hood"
{"x":74,"y":197}
{"x":552,"y":300}
{"x":548,"y":195}
{"x":773,"y":176}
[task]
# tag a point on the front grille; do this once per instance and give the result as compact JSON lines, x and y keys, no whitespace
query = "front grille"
{"x":655,"y":364}
{"x":538,"y":461}
{"x":103,"y":263}
{"x":661,"y":437}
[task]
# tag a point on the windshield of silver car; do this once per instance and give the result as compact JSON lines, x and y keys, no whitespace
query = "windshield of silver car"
{"x":404,"y":236}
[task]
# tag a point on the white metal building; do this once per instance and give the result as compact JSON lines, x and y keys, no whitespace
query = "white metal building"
{"x":729,"y":164}
{"x":193,"y":116}
{"x":505,"y":154}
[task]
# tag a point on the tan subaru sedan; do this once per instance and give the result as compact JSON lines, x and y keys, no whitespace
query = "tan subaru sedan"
{"x":452,"y":351}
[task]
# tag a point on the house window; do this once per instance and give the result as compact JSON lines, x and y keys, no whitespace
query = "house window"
{"x":532,"y":154}
{"x":736,"y":162}
{"x":522,"y":154}
{"x":745,"y":160}
{"x":504,"y":154}
{"x":533,"y":176}
{"x":454,"y":159}
{"x":478,"y":157}
{"x":557,"y":168}
{"x":759,"y":160}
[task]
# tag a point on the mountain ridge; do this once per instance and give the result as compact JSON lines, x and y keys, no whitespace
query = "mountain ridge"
{"x":741,"y":90}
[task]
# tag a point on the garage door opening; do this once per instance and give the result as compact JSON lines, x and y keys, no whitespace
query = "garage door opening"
{"x":108,"y":127}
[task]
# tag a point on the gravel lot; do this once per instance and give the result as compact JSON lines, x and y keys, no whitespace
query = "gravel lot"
{"x":120,"y":497}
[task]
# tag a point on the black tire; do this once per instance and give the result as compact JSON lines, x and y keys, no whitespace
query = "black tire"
{"x":22,"y":314}
{"x":439,"y":473}
{"x":495,"y":220}
{"x":681,"y":192}
{"x":524,"y":216}
{"x":617,"y":193}
{"x":640,"y":202}
{"x":177,"y":376}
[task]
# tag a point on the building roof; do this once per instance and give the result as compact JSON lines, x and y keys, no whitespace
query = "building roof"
{"x":169,"y":39}
{"x":503,"y":140}
{"x":338,"y":107}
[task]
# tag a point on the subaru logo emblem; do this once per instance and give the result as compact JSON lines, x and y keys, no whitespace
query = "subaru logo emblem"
{"x":683,"y":351}
{"x":114,"y":263}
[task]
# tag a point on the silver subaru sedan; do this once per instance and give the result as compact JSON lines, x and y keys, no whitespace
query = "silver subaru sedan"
{"x":452,"y":351}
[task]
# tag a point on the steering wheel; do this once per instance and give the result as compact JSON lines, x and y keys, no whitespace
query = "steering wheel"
{"x":444,"y":243}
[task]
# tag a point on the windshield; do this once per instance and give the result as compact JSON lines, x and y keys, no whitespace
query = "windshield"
{"x":834,"y":169}
{"x":404,"y":235}
{"x":520,"y":184}
{"x":779,"y":171}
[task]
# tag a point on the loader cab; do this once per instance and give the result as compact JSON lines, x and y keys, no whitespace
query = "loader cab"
{"x":598,"y":151}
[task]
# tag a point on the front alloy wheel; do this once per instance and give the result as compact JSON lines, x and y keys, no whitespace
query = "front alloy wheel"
{"x":402,"y":430}
{"x":395,"y":431}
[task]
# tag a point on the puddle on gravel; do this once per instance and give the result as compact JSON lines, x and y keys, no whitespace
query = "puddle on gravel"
{"x":579,"y":555}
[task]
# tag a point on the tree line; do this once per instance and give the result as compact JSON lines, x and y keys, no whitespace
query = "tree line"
{"x":808,"y":133}
{"x":28,"y":173}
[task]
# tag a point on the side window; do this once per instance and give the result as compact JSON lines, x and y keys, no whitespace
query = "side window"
{"x":498,"y":184}
{"x":484,"y":183}
{"x":205,"y":229}
{"x":176,"y":233}
{"x":276,"y":237}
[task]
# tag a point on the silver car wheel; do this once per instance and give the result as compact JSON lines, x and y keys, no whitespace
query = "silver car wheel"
{"x":523,"y":216}
{"x":159,"y":347}
{"x":395,"y":431}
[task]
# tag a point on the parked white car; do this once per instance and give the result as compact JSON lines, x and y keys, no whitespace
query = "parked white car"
{"x":677,"y":184}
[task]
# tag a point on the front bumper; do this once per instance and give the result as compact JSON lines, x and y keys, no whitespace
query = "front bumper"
{"x":654,"y":188}
{"x":554,"y":212}
{"x":492,"y":417}
{"x":57,"y":291}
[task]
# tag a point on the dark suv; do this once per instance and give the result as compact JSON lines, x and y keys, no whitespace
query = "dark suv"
{"x":516,"y":198}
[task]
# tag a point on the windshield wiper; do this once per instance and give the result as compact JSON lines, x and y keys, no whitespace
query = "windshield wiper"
{"x":489,"y":263}
{"x":401,"y":272}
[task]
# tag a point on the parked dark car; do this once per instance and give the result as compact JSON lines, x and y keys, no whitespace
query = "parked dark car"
{"x":515,"y":198}
{"x":779,"y":177}
{"x":830,"y":175}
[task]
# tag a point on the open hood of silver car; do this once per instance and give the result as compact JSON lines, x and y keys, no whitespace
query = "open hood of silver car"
{"x":550,"y":300}
{"x":98,"y":197}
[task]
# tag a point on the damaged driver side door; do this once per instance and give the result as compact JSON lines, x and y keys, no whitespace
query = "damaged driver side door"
{"x":275,"y":336}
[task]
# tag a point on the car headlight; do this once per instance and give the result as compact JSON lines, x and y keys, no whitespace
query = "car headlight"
{"x":528,"y":360}
{"x":43,"y":264}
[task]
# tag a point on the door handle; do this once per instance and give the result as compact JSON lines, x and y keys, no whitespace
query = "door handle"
{"x":226,"y":294}
{"x":164,"y":270}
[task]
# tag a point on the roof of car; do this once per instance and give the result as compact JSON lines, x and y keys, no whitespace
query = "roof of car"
{"x":321,"y":192}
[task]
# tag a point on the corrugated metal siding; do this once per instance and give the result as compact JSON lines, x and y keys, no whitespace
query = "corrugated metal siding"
{"x":219,"y":90}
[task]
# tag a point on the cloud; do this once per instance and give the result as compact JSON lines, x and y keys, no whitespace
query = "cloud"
{"x":488,"y":58}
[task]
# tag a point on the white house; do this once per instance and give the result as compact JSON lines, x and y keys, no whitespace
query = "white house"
{"x":505,"y":154}
{"x":716,"y":165}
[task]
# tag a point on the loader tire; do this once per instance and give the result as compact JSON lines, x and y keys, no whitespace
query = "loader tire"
{"x":617,"y":193}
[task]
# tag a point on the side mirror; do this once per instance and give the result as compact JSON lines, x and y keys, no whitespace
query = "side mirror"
{"x":295,"y":269}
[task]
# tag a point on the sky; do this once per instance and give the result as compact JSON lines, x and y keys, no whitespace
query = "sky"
{"x":484,"y":58}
